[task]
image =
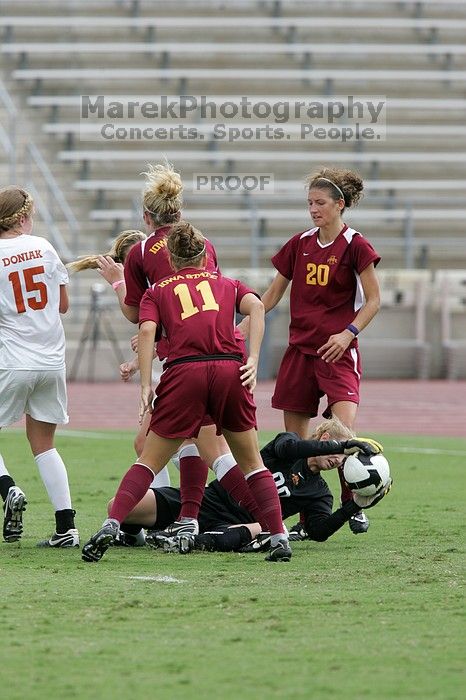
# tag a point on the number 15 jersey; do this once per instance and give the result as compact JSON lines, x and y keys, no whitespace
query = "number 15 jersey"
{"x":31,"y":331}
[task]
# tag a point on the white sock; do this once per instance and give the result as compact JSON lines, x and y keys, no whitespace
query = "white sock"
{"x":278,"y":537}
{"x":176,"y":460}
{"x":223,"y":464}
{"x":3,"y":470}
{"x":188,"y":451}
{"x":54,"y":475}
{"x":161,"y":479}
{"x":254,"y":471}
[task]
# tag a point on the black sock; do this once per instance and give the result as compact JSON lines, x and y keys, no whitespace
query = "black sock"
{"x":64,"y":520}
{"x":131,"y":529}
{"x":6,"y":482}
{"x":225,"y":540}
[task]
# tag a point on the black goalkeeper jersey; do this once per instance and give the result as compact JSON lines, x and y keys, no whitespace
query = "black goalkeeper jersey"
{"x":299,"y":489}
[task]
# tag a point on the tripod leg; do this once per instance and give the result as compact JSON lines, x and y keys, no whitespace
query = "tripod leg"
{"x":85,"y":335}
{"x":95,"y":335}
{"x":113,"y":341}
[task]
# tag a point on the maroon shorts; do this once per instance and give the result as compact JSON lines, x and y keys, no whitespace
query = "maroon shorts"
{"x":303,"y":379}
{"x":191,"y":391}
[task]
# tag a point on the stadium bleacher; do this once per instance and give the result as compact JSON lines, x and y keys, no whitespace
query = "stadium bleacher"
{"x":411,"y":53}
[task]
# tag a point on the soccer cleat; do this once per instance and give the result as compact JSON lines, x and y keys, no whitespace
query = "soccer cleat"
{"x":170,"y":544}
{"x":280,"y":552}
{"x":297,"y":533}
{"x":126,"y":539}
{"x":96,"y":547}
{"x":261,"y":543}
{"x":70,"y":538}
{"x":157,"y":538}
{"x":186,"y":543}
{"x":359,"y":523}
{"x":13,"y":509}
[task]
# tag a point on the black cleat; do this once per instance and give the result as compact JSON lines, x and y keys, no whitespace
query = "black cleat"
{"x":96,"y":547}
{"x":70,"y":538}
{"x":163,"y":538}
{"x":13,"y":509}
{"x":297,"y":533}
{"x":261,"y":543}
{"x":127,"y":539}
{"x":280,"y":552}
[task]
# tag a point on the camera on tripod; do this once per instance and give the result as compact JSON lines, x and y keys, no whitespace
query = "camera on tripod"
{"x":96,"y":327}
{"x":98,"y":301}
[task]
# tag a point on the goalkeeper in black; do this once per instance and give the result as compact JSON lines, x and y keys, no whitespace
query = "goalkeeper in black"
{"x":296,"y":466}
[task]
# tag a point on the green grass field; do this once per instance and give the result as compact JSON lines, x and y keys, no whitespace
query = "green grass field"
{"x":377,"y":616}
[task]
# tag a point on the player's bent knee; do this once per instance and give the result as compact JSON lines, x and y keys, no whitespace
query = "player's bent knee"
{"x":319,"y":535}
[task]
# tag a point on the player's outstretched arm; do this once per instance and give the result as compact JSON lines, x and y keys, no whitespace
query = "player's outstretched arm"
{"x":290,"y":446}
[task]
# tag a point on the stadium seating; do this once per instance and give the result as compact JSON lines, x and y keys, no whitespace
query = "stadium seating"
{"x":411,"y":52}
{"x":395,"y":344}
{"x":396,"y":340}
{"x":450,"y":301}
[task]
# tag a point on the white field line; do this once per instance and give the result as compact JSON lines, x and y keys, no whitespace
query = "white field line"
{"x":158,"y":579}
{"x":429,"y":451}
{"x":110,"y":435}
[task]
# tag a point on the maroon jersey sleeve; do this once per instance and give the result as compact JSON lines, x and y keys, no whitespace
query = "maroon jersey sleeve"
{"x":212,"y":262}
{"x":148,"y":308}
{"x":363,"y":254}
{"x":241,"y":291}
{"x":135,"y":279}
{"x":284,"y":260}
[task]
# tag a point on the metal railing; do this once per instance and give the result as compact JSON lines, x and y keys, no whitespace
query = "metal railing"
{"x":8,"y":134}
{"x":36,"y":167}
{"x":36,"y":170}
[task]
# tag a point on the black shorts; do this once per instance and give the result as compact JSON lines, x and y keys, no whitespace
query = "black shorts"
{"x":168,"y":503}
{"x":217,"y":508}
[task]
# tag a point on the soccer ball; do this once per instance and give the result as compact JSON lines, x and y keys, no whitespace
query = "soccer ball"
{"x":365,"y":475}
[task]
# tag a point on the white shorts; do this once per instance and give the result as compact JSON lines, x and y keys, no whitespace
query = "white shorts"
{"x":40,"y":394}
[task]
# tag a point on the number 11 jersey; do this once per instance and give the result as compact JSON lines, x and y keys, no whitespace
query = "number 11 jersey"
{"x":197,"y":310}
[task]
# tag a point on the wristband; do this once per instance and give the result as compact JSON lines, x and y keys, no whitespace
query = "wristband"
{"x":353,"y":329}
{"x":117,"y":284}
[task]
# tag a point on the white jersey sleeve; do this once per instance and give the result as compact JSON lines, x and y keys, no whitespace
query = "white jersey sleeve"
{"x":31,"y":331}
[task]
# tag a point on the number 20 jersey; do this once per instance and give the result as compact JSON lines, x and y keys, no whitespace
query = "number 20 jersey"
{"x":31,"y":331}
{"x":326,"y":290}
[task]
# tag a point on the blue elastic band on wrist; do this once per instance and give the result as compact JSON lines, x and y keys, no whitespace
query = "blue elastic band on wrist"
{"x":353,"y":329}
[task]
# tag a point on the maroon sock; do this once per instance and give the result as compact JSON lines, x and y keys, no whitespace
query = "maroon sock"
{"x":133,"y":487}
{"x":237,"y":486}
{"x":193,"y":476}
{"x":346,"y":494}
{"x":265,"y":492}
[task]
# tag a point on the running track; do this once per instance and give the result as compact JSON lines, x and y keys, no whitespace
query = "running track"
{"x":407,"y":407}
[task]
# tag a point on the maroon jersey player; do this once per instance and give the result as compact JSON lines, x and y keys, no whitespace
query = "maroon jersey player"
{"x":334,"y":295}
{"x":147,"y":263}
{"x":204,"y":374}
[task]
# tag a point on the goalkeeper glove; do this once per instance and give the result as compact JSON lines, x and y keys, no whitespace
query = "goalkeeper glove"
{"x":370,"y":501}
{"x":367,"y":446}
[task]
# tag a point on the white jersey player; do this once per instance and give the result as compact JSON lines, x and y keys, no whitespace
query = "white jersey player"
{"x":33,"y":293}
